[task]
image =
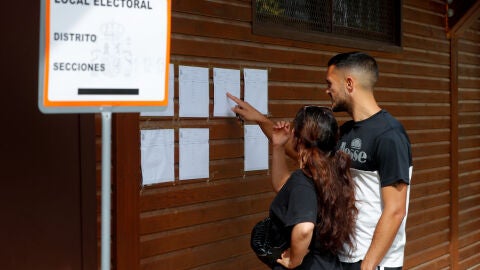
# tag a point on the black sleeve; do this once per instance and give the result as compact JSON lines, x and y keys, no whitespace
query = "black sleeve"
{"x":302,"y":206}
{"x":393,"y":158}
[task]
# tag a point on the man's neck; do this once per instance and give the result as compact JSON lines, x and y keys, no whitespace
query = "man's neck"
{"x":364,"y":110}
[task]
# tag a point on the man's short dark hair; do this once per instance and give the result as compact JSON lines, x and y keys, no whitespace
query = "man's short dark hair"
{"x":356,"y":60}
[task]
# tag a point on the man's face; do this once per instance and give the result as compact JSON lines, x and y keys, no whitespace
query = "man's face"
{"x":336,"y":90}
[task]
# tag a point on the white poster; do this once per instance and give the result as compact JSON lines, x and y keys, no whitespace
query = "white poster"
{"x":256,"y":148}
{"x":256,"y":88}
{"x":169,"y":109}
{"x":157,"y":156}
{"x":193,"y":90}
{"x":194,"y":153}
{"x":225,"y":80}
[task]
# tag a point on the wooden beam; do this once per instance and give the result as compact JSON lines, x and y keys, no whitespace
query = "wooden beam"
{"x":454,"y":182}
{"x":127,"y":177}
{"x":465,"y":21}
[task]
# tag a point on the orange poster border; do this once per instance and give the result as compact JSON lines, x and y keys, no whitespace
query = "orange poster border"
{"x":104,"y":103}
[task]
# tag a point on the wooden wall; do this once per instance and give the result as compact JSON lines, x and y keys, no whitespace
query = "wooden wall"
{"x":205,"y":223}
{"x":469,"y":147}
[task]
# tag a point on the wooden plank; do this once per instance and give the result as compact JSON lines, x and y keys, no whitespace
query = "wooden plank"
{"x":424,"y":30}
{"x":431,"y":162}
{"x":424,"y":136}
{"x":466,"y":228}
{"x":471,"y":189}
{"x":468,"y":202}
{"x":469,"y":166}
{"x":473,"y":94}
{"x":428,"y":189}
{"x":427,"y":255}
{"x":424,"y":229}
{"x":469,"y":71}
{"x":430,"y":149}
{"x":440,"y":263}
{"x":429,"y":241}
{"x":214,"y":47}
{"x":413,"y":82}
{"x":416,"y":55}
{"x":469,"y":239}
{"x":227,"y":10}
{"x":468,"y":118}
{"x":422,"y":15}
{"x":430,"y":6}
{"x":181,"y":195}
{"x":470,"y":130}
{"x":470,"y":83}
{"x":470,"y":258}
{"x":428,"y":176}
{"x":180,"y":217}
{"x":468,"y":214}
{"x":469,"y":107}
{"x":428,"y":215}
{"x":245,"y":261}
{"x":469,"y":177}
{"x":420,"y":42}
{"x":226,"y":149}
{"x":408,"y":96}
{"x":469,"y":251}
{"x":199,"y":255}
{"x":427,"y":201}
{"x":469,"y":142}
{"x":468,"y":58}
{"x":192,"y":236}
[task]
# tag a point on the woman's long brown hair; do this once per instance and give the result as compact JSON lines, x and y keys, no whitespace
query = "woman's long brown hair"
{"x":316,"y":134}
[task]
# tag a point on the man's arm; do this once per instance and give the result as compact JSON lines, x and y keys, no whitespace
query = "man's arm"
{"x":394,"y":199}
{"x":249,"y":113}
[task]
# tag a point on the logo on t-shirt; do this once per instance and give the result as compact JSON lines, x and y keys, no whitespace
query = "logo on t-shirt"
{"x":355,"y":152}
{"x":356,"y":143}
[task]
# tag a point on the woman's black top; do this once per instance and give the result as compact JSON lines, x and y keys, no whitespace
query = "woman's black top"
{"x":296,"y":202}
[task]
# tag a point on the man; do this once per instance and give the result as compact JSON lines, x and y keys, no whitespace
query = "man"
{"x":381,"y":161}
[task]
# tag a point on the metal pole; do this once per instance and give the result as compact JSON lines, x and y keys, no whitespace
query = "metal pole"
{"x":106,"y":189}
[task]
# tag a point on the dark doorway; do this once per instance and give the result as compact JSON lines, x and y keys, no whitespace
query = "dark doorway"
{"x":48,"y":191}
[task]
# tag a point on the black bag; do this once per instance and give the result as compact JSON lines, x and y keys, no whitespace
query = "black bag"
{"x":268,"y":242}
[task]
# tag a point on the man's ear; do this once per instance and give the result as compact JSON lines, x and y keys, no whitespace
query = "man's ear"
{"x":349,"y":82}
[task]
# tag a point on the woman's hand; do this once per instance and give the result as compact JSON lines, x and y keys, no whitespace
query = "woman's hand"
{"x":246,"y":111}
{"x":285,"y":260}
{"x":281,"y":133}
{"x":300,"y":240}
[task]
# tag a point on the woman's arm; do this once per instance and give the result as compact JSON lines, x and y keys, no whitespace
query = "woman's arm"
{"x":280,"y":135}
{"x":300,"y":241}
{"x":248,"y":113}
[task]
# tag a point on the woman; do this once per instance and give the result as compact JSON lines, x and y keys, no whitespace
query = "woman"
{"x":315,"y":204}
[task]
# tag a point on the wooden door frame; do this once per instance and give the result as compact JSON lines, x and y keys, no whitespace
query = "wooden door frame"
{"x":454,"y":34}
{"x":126,"y":189}
{"x":88,"y":194}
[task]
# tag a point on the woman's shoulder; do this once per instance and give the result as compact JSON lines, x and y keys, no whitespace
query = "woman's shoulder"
{"x":299,"y":178}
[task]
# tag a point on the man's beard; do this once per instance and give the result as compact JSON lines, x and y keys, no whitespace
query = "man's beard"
{"x":340,"y":106}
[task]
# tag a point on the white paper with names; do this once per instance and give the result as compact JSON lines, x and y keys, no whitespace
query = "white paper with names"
{"x":194,"y":153}
{"x":169,"y":109}
{"x":157,"y":156}
{"x":225,"y":80}
{"x":256,"y":148}
{"x":256,"y":89}
{"x":193,"y":91}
